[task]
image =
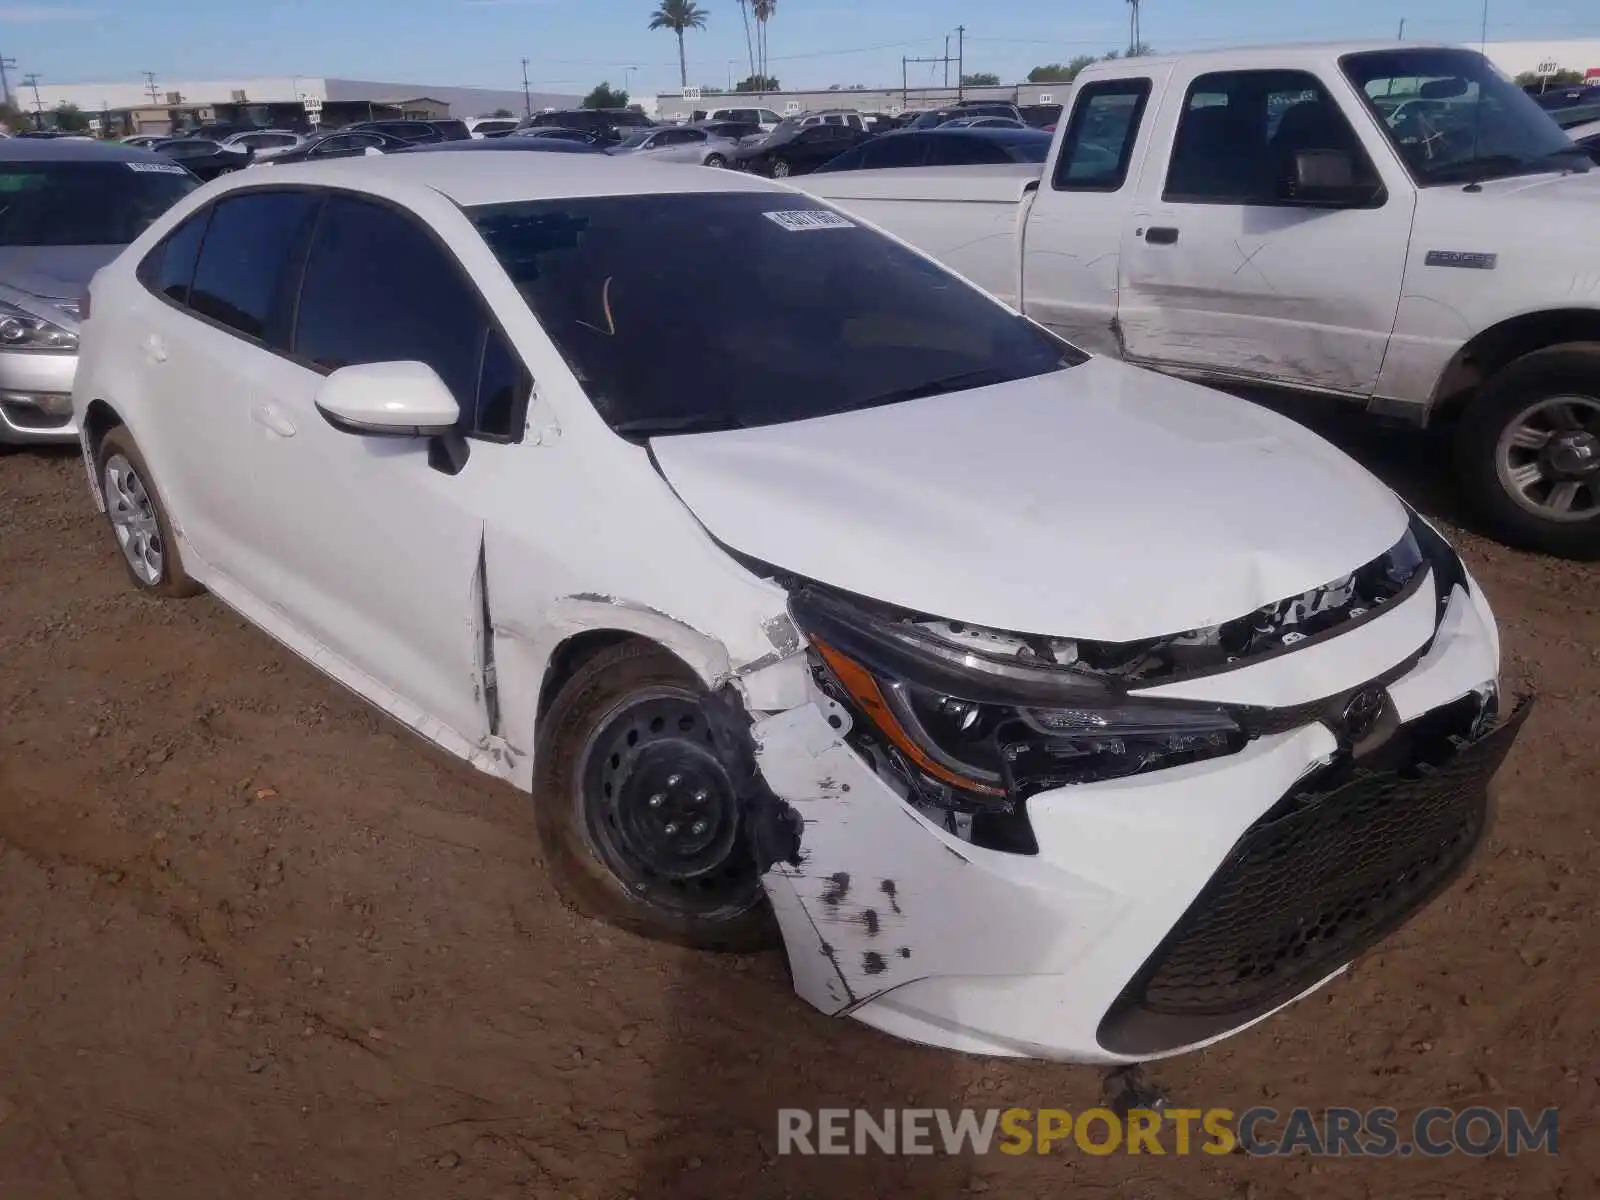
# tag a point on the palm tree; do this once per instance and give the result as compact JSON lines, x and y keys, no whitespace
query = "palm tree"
{"x":763,"y":10}
{"x":679,"y":16}
{"x":749,"y":46}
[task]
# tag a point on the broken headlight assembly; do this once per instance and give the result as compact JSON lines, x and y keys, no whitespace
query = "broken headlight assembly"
{"x":974,"y":721}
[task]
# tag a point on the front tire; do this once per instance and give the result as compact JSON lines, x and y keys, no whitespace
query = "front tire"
{"x":1528,"y":451}
{"x":638,"y":819}
{"x":138,"y":519}
{"x":716,"y":160}
{"x":781,"y":168}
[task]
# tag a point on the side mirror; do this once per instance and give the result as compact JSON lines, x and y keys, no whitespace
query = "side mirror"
{"x":388,"y":399}
{"x":1327,"y":178}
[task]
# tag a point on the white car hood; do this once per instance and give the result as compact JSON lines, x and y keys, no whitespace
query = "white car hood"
{"x":1101,"y":502}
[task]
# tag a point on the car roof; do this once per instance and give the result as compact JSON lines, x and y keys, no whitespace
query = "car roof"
{"x":72,"y":150}
{"x":473,"y":179}
{"x":991,"y":133}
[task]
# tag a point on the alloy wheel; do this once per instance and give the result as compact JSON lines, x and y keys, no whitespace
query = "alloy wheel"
{"x":1548,"y":458}
{"x":133,"y":519}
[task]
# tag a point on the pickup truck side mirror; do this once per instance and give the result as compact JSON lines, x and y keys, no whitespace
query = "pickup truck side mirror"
{"x":1327,"y":178}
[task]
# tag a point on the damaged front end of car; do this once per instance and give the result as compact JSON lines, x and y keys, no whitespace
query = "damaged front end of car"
{"x":1129,"y":814}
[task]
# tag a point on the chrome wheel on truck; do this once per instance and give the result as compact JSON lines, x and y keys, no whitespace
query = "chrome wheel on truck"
{"x":1528,"y":451}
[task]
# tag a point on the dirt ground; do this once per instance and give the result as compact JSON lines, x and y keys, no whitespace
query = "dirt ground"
{"x":256,"y":941}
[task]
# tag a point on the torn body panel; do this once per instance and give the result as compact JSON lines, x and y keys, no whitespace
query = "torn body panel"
{"x":894,"y":919}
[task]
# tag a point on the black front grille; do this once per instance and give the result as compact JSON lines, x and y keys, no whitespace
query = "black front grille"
{"x":1318,"y":880}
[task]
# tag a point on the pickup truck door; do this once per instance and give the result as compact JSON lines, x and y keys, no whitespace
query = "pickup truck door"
{"x":1073,"y":232}
{"x":1226,"y":272}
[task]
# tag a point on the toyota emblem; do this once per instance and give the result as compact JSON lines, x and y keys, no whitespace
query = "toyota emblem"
{"x":1361,"y":713}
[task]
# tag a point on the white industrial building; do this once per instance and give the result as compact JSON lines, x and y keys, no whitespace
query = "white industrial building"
{"x":160,"y":105}
{"x":1517,"y":58}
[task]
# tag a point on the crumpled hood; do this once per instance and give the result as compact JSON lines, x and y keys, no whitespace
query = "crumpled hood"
{"x":1101,"y":502}
{"x":53,"y":272}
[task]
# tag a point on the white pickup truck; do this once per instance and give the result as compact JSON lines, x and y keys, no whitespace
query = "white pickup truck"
{"x":1394,"y":224}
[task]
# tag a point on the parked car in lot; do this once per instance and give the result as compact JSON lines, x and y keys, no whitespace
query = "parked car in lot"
{"x":511,"y":145}
{"x":795,"y":149}
{"x":414,"y":131}
{"x":343,"y":144}
{"x":488,"y":127}
{"x":801,"y":642}
{"x":733,"y":130}
{"x":964,"y":109}
{"x":945,"y":146}
{"x":608,"y":125}
{"x":558,"y":133}
{"x":203,"y":157}
{"x":683,"y":144}
{"x":986,"y":123}
{"x":1200,"y":212}
{"x":267,"y":143}
{"x":67,"y":208}
{"x":143,"y":141}
{"x":763,"y":119}
{"x":1040,"y":116}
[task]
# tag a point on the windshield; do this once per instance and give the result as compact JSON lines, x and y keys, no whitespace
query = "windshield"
{"x":1455,"y":119}
{"x":85,"y":203}
{"x":707,"y":311}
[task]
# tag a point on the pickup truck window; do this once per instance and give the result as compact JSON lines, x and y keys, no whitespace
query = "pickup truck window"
{"x":1240,"y":131}
{"x":1100,"y":137}
{"x":794,"y":311}
{"x":1454,"y":120}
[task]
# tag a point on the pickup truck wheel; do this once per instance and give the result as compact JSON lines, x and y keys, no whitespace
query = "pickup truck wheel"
{"x":636,"y":814}
{"x":1528,"y":450}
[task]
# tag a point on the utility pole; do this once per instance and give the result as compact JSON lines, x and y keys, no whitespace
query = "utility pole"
{"x":1401,"y":36}
{"x":947,"y":60}
{"x":150,"y":86}
{"x":905,"y":86}
{"x":31,"y":80}
{"x":527,"y":100}
{"x":961,"y":60}
{"x":5,"y":82}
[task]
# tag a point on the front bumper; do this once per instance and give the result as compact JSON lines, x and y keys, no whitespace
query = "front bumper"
{"x":36,"y":397}
{"x":1163,"y":911}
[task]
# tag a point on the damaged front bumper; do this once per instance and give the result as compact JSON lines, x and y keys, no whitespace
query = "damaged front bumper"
{"x":1162,"y":911}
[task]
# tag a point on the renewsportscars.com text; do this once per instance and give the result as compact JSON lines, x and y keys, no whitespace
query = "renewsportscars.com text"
{"x":1374,"y":1132}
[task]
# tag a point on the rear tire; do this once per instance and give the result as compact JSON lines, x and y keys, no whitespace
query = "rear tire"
{"x":138,"y":519}
{"x":639,"y":824}
{"x":1528,"y":451}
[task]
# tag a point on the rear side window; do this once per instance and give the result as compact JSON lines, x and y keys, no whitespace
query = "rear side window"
{"x":965,"y":151}
{"x":248,"y":262}
{"x":378,"y":288}
{"x":1101,"y":135}
{"x":903,"y":150}
{"x":168,"y":270}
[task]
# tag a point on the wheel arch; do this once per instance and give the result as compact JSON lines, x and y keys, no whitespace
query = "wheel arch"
{"x":99,"y":418}
{"x":1503,"y":343}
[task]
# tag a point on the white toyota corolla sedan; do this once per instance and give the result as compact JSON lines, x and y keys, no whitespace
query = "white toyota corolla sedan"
{"x":1044,"y":705}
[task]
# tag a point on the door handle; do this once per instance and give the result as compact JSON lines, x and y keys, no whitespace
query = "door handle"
{"x":155,"y":349}
{"x":272,"y":419}
{"x":1161,"y":235}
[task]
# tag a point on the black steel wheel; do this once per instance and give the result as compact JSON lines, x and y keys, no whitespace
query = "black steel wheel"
{"x":637,"y":814}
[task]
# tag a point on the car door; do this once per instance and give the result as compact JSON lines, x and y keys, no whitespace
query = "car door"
{"x":1224,"y":272}
{"x":1073,"y":233}
{"x":679,"y":145}
{"x":383,"y":534}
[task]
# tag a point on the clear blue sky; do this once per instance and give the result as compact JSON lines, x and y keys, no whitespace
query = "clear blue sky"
{"x":573,"y":44}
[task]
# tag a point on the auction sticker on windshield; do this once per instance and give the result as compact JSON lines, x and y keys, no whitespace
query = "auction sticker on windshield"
{"x":807,"y":219}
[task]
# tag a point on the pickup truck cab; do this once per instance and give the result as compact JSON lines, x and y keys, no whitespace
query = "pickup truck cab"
{"x":1395,"y":224}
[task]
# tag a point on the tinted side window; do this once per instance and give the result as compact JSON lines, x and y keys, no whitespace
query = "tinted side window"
{"x":1101,"y":135}
{"x":169,"y":268}
{"x":965,"y":151}
{"x":1240,"y":132}
{"x":903,"y":150}
{"x":378,"y":288}
{"x":248,"y":261}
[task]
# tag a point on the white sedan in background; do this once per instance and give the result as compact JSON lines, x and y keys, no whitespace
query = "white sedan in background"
{"x":684,"y":144}
{"x":1051,"y":707}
